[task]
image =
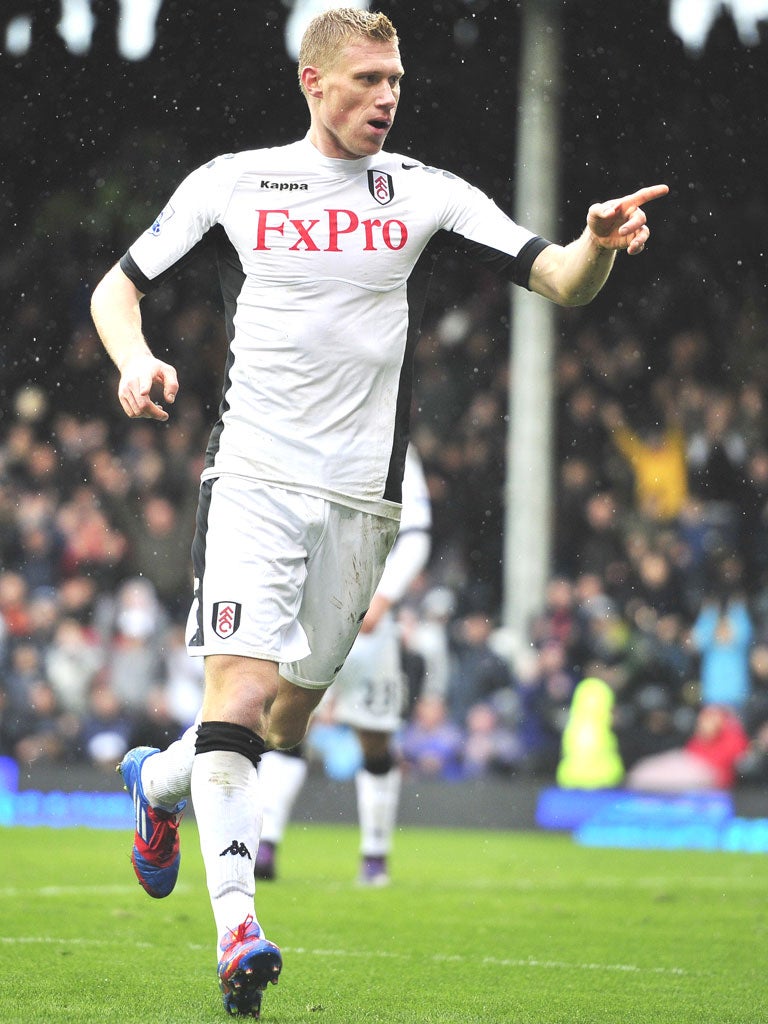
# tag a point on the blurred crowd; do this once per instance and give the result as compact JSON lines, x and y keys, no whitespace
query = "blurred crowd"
{"x":659,"y":584}
{"x":660,"y":566}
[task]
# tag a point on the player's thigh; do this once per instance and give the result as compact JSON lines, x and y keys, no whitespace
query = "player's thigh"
{"x":239,"y":690}
{"x":342,"y":575}
{"x":291,"y":711}
{"x":250,"y":556}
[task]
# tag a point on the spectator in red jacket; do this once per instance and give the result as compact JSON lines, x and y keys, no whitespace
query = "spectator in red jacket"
{"x":707,"y":761}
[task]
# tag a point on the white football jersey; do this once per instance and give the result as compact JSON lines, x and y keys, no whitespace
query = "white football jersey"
{"x":315,"y":255}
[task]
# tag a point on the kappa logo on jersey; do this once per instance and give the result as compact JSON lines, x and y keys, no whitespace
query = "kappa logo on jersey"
{"x":226,"y":618}
{"x":285,"y":186}
{"x":162,"y":218}
{"x":331,"y":233}
{"x":380,"y":186}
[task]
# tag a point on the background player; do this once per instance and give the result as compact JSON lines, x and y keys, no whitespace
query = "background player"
{"x":370,"y":695}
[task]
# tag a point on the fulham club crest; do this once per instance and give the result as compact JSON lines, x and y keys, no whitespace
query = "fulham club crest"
{"x":226,"y":618}
{"x":380,"y":186}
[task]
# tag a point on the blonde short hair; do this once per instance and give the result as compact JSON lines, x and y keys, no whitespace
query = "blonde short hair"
{"x":330,"y":31}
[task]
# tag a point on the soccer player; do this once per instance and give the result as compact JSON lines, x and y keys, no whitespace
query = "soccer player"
{"x":300,"y":494}
{"x":369,"y":694}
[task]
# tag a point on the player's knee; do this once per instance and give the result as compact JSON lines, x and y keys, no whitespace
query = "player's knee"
{"x":285,"y":736}
{"x":376,"y":746}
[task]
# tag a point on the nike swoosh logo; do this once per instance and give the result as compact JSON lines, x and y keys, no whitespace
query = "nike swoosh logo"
{"x":408,"y":167}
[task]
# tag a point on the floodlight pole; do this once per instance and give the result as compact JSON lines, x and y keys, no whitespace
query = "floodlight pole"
{"x":528,"y":493}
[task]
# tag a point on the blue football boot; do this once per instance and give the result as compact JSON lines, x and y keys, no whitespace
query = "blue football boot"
{"x":156,"y":855}
{"x":248,"y":963}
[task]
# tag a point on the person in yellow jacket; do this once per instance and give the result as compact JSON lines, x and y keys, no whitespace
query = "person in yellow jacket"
{"x":590,"y":757}
{"x":658,"y":462}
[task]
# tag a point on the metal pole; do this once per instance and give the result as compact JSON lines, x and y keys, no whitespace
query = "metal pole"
{"x":528,"y":514}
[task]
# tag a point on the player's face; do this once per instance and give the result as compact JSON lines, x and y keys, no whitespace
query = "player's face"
{"x":357,"y":100}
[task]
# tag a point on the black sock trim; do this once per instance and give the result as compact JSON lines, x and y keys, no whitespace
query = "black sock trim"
{"x":379,"y":765}
{"x":229,"y":736}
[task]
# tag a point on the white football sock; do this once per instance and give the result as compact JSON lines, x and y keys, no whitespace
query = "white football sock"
{"x":378,"y":797}
{"x":225,"y":792}
{"x":165,"y":776}
{"x":281,"y":777}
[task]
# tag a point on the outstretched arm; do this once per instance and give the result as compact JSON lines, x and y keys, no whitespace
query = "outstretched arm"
{"x":117,"y":316}
{"x":573,"y":274}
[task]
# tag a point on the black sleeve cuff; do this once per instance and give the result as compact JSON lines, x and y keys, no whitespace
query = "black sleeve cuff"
{"x":525,"y":260}
{"x":130,"y":268}
{"x":516,"y":269}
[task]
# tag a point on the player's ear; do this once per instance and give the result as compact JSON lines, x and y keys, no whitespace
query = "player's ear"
{"x":310,"y":79}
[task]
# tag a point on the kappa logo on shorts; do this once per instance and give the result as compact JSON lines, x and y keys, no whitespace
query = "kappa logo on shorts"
{"x":226,"y":618}
{"x":380,"y":186}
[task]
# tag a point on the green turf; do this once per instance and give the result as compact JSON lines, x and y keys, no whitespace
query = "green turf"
{"x":507,"y":927}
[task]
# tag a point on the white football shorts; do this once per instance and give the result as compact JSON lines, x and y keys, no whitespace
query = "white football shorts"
{"x":370,"y":690}
{"x":283,"y":576}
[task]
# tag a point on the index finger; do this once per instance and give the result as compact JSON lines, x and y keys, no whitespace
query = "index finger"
{"x":645,"y":195}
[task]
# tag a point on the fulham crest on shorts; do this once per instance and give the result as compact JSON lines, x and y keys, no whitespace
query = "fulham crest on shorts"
{"x":226,"y":618}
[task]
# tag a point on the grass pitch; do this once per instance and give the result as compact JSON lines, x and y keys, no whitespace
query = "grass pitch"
{"x":492,"y":927}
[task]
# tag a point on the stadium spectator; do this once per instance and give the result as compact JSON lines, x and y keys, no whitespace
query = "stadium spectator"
{"x":717,"y":458}
{"x":647,"y":724}
{"x":659,"y":654}
{"x":43,"y":607}
{"x":477,"y":673}
{"x":752,"y":765}
{"x":73,"y":660}
{"x":39,"y":554}
{"x":105,"y":729}
{"x":11,"y":726}
{"x":655,"y":583}
{"x":158,"y":540}
{"x":590,"y":757}
{"x":722,"y":634}
{"x":544,"y":691}
{"x":431,"y":745}
{"x":708,"y":760}
{"x":490,"y":745}
{"x":602,"y":550}
{"x":91,"y":544}
{"x":557,"y":621}
{"x":753,"y":520}
{"x":133,"y":659}
{"x":14,"y":608}
{"x":45,"y":731}
{"x":717,"y":452}
{"x":582,"y":434}
{"x":25,"y":670}
{"x":756,"y":711}
{"x":578,"y":478}
{"x":657,"y":457}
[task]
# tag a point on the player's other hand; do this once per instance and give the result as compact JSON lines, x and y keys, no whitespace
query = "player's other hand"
{"x":620,"y":223}
{"x":137,"y":379}
{"x":379,"y":606}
